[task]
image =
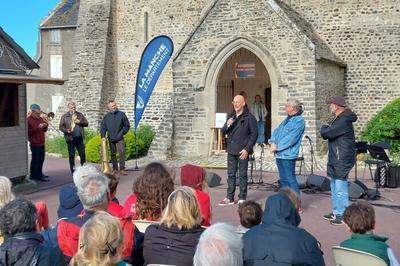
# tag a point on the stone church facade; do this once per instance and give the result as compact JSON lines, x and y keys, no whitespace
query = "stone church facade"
{"x":309,"y":50}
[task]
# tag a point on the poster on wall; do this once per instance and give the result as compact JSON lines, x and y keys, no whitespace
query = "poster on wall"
{"x":245,"y":70}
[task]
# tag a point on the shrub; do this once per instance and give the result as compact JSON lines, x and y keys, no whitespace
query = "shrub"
{"x":385,"y":125}
{"x":145,"y":136}
{"x":57,"y":144}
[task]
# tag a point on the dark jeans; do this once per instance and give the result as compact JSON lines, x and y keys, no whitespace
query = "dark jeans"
{"x":233,"y":162}
{"x":287,"y":175}
{"x":37,"y":161}
{"x":120,"y":145}
{"x":78,"y":144}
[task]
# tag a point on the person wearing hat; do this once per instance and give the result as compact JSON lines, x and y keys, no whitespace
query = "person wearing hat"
{"x":36,"y":129}
{"x":341,"y":155}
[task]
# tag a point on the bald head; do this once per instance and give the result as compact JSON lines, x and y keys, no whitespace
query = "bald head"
{"x":238,"y":104}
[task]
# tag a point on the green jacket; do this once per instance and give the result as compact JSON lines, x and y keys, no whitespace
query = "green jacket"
{"x":368,"y":243}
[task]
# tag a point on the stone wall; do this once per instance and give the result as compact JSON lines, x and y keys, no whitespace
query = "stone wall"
{"x":365,"y":35}
{"x":292,"y":72}
{"x":13,"y":142}
{"x":89,"y":67}
{"x":329,"y":82}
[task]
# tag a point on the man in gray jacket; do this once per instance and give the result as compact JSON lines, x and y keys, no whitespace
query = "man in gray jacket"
{"x":116,"y":125}
{"x":72,"y":124}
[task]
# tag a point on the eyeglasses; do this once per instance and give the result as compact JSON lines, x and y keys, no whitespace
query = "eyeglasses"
{"x":236,"y":102}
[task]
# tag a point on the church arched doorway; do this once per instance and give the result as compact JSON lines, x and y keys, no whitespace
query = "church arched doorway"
{"x":244,"y":72}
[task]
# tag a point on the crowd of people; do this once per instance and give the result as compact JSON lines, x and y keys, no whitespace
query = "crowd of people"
{"x":95,"y":228}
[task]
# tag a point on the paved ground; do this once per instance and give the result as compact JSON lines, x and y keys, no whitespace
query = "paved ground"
{"x":315,"y":205}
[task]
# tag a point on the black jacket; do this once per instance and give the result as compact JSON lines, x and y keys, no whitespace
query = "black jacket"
{"x":278,"y":240}
{"x":163,"y":245}
{"x":116,"y":124}
{"x":27,"y":249}
{"x":341,"y":142}
{"x":242,"y":134}
{"x":65,"y":124}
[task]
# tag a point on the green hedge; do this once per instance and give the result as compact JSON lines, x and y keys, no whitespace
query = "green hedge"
{"x":385,"y":125}
{"x":92,"y":141}
{"x":145,"y":136}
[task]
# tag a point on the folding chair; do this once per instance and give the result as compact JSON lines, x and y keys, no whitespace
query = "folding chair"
{"x":351,"y":257}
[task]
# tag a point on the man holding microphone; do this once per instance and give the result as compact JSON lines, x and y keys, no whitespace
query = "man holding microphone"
{"x":241,"y":129}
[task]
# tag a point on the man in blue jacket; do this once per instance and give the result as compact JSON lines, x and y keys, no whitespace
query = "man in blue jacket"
{"x":241,"y":128}
{"x":285,"y":143}
{"x":116,"y":124}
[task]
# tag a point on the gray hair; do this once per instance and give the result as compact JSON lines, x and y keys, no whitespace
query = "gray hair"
{"x":92,"y":186}
{"x":295,"y":103}
{"x":219,"y":245}
{"x":82,"y":171}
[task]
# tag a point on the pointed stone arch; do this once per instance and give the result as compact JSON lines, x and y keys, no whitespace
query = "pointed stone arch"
{"x":217,"y":62}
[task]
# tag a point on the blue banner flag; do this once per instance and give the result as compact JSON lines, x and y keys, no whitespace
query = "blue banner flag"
{"x":154,"y":58}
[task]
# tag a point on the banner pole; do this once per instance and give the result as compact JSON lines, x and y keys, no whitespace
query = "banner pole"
{"x":136,"y":165}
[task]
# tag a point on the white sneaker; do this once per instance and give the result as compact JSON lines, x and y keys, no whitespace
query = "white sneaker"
{"x":241,"y":201}
{"x":226,"y":201}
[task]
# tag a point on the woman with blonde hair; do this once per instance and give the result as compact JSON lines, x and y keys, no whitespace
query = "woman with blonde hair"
{"x":100,"y":242}
{"x":174,"y":240}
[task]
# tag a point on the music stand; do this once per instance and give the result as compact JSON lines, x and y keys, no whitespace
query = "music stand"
{"x":378,"y":153}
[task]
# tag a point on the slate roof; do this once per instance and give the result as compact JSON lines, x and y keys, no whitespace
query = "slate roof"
{"x":64,"y":14}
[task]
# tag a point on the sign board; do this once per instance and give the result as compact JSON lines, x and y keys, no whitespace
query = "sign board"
{"x":245,"y":70}
{"x":220,"y":119}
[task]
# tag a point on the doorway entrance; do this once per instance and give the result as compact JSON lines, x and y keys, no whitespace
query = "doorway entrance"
{"x":244,"y":73}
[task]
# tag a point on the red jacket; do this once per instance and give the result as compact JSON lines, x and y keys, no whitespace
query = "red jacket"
{"x":36,"y":134}
{"x":205,"y":207}
{"x":116,"y":210}
{"x":131,"y":200}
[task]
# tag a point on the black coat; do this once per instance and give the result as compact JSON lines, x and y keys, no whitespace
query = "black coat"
{"x":116,"y":124}
{"x":23,"y":248}
{"x":341,"y":142}
{"x":163,"y":245}
{"x":242,"y":134}
{"x":278,"y":240}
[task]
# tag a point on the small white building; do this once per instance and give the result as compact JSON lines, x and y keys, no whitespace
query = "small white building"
{"x":15,"y":66}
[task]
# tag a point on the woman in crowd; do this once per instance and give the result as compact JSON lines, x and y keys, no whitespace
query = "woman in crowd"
{"x":6,"y":196}
{"x":194,"y":176}
{"x":100,"y":242}
{"x":150,"y":193}
{"x":174,"y":240}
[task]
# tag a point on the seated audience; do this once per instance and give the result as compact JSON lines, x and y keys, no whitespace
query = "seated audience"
{"x":278,"y":239}
{"x":359,"y":218}
{"x":114,"y":207}
{"x":93,"y":193}
{"x":150,"y":193}
{"x":194,"y":176}
{"x":70,"y":204}
{"x":174,"y":240}
{"x":100,"y":242}
{"x":6,"y":196}
{"x":250,"y":213}
{"x":23,"y":245}
{"x":219,"y":245}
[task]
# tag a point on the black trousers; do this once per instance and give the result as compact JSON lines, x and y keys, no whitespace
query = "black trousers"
{"x":234,"y":162}
{"x":120,"y":145}
{"x":38,"y":153}
{"x":78,"y":144}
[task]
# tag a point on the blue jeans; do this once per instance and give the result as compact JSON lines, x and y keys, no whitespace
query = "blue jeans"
{"x":287,"y":175}
{"x":261,"y":131}
{"x":340,"y":195}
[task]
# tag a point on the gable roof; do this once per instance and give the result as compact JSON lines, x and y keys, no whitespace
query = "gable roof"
{"x":299,"y":26}
{"x":12,"y":57}
{"x":65,"y":14}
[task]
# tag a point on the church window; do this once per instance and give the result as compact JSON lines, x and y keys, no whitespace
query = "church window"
{"x":55,"y":36}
